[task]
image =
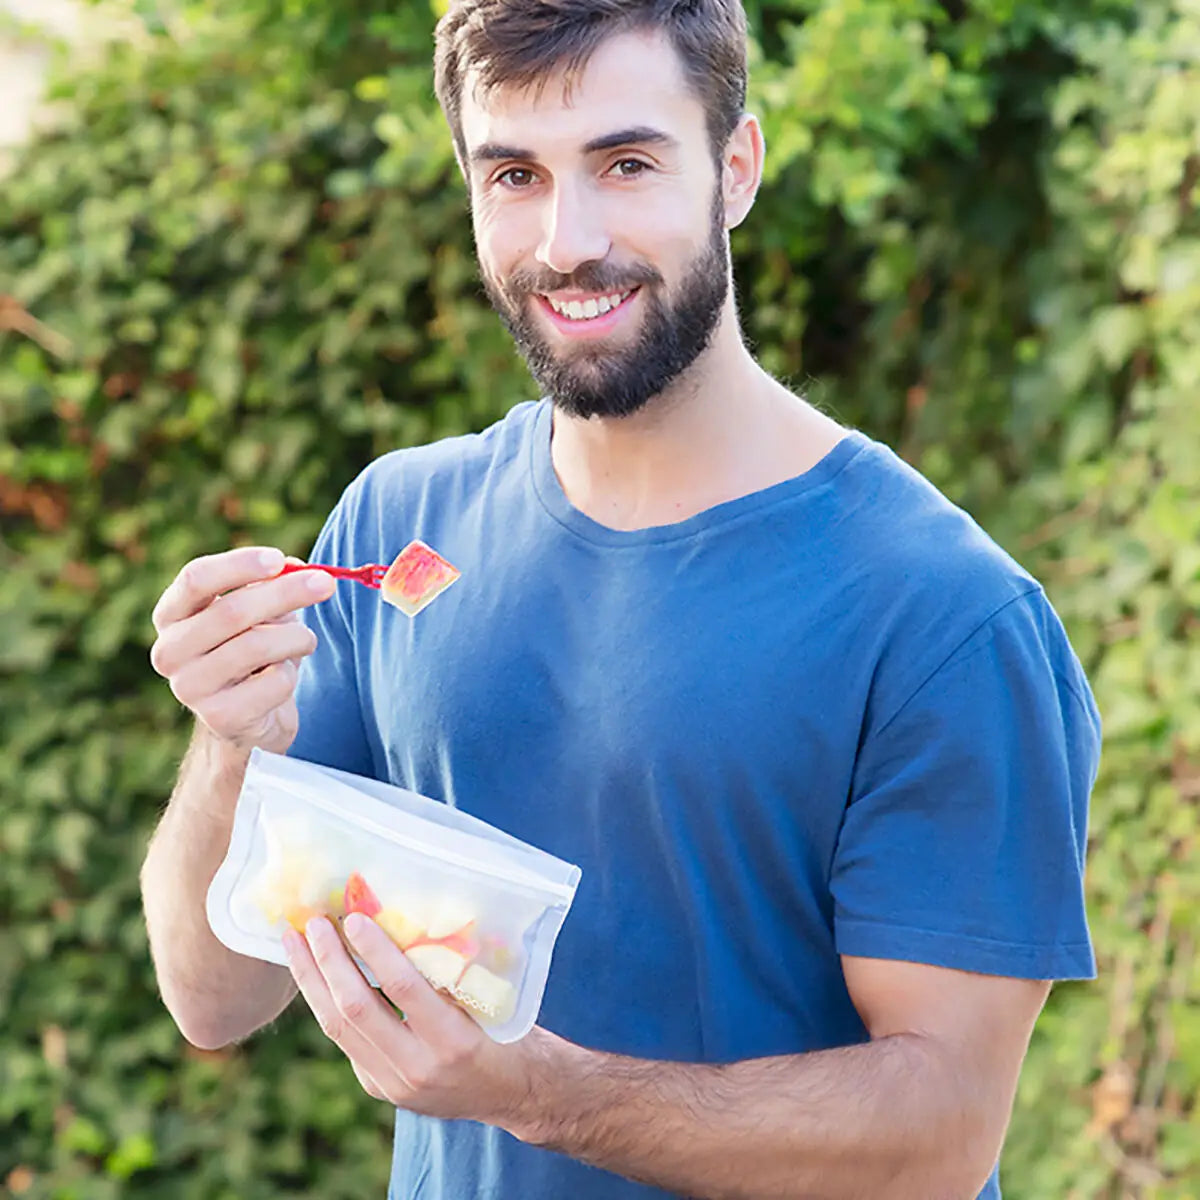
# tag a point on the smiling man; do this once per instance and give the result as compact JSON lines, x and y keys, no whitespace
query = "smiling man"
{"x":822,"y":750}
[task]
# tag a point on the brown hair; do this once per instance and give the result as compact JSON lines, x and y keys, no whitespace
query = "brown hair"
{"x":520,"y":42}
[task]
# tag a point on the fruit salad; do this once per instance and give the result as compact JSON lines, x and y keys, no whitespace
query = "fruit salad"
{"x":443,"y":942}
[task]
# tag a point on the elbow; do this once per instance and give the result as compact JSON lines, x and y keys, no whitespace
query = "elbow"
{"x":200,"y":1026}
{"x":958,"y":1168}
{"x":206,"y":1036}
{"x":936,"y":1178}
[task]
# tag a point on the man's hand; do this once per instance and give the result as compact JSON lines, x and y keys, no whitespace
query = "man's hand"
{"x":434,"y":1060}
{"x":918,"y":1113}
{"x":230,"y":642}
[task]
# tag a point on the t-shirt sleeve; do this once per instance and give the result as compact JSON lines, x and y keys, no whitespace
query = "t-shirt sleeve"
{"x":332,"y":731}
{"x":964,"y":838}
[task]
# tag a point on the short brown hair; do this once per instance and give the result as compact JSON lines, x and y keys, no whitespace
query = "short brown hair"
{"x":520,"y":42}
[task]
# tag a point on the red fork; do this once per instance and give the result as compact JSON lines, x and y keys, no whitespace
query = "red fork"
{"x":370,"y":574}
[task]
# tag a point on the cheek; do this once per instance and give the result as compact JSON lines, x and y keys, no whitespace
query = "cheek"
{"x":666,"y":230}
{"x":499,"y":245}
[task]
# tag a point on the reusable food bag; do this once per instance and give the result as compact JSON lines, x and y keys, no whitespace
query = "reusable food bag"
{"x":476,"y":910}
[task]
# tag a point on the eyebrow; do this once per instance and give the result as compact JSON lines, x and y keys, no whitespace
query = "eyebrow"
{"x":636,"y":135}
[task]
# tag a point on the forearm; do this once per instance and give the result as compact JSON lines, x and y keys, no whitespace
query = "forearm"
{"x":886,"y":1118}
{"x":214,"y":995}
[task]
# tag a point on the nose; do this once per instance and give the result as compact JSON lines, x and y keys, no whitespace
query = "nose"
{"x":573,"y":231}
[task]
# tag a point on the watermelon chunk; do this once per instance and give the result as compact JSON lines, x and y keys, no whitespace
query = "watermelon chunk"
{"x":417,"y":575}
{"x":359,"y":898}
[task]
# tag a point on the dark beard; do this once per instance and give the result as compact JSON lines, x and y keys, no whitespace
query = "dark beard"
{"x":592,"y":380}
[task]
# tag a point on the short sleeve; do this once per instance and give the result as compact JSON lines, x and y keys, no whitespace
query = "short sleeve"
{"x":964,"y":838}
{"x":328,"y":698}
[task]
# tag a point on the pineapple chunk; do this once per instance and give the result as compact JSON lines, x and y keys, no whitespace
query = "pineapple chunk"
{"x":402,"y":929}
{"x":440,"y":965}
{"x":485,"y":993}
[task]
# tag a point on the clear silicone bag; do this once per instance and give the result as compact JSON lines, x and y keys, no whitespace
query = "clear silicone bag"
{"x":476,"y":910}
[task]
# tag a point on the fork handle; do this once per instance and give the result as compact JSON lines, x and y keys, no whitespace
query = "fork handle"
{"x":338,"y":572}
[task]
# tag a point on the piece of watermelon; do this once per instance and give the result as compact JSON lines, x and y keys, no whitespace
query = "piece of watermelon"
{"x":417,"y":575}
{"x":359,"y":898}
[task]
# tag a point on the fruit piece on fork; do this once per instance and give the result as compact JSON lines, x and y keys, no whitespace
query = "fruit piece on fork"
{"x":417,"y":575}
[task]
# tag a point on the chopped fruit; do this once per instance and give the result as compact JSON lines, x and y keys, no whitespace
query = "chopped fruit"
{"x":462,"y":941}
{"x":446,"y":916}
{"x":497,"y":951}
{"x":486,"y":994}
{"x":417,"y":574}
{"x":299,"y":917}
{"x":359,"y":898}
{"x":440,"y":965}
{"x":403,"y":930}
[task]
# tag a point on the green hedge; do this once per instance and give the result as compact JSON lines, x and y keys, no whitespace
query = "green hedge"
{"x":978,"y":240}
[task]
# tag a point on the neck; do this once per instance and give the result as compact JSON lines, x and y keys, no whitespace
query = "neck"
{"x":723,"y":430}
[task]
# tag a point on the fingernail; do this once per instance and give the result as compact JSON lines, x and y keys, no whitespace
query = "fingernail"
{"x":271,"y":560}
{"x":318,"y":581}
{"x":291,"y":942}
{"x":354,"y":925}
{"x":315,"y":928}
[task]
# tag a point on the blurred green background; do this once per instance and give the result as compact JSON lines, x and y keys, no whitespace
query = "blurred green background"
{"x":240,"y":267}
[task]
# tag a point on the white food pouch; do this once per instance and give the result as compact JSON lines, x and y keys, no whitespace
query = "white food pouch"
{"x":476,"y":910}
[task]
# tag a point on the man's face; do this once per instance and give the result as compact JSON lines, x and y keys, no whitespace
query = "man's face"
{"x":599,"y":225}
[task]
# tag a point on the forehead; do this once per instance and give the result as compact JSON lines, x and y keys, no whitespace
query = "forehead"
{"x":632,"y":80}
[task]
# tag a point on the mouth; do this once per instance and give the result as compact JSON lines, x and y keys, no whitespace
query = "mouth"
{"x":589,"y":316}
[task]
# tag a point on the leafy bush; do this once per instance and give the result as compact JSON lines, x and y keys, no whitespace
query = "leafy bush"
{"x":984,"y":249}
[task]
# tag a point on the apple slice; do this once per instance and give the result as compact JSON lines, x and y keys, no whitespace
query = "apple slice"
{"x":359,"y":898}
{"x":402,"y":929}
{"x":417,"y":575}
{"x":462,"y":941}
{"x":485,"y":993}
{"x":440,"y":965}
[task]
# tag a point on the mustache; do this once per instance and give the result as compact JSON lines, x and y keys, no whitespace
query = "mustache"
{"x":595,"y":277}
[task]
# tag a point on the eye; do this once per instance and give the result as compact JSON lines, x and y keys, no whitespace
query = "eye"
{"x":629,"y":168}
{"x":515,"y":177}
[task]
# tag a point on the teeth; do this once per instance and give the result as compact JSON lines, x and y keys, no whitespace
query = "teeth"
{"x":585,"y":310}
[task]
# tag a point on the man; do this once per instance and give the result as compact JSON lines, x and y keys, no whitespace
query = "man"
{"x":822,"y":750}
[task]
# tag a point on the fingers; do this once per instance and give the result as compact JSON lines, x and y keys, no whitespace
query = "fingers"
{"x":367,"y":1080}
{"x":428,"y":1013}
{"x":369,"y":1067}
{"x":205,"y":578}
{"x":238,"y":659}
{"x":247,"y":712}
{"x":189,"y":638}
{"x":346,"y":1006}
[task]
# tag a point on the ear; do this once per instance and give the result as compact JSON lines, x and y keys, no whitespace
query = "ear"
{"x":741,"y":169}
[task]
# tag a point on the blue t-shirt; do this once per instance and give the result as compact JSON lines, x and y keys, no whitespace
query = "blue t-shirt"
{"x":831,"y":717}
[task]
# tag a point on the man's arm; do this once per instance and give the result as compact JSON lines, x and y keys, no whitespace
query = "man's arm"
{"x":214,"y":995}
{"x":230,"y":644}
{"x":917,"y":1113}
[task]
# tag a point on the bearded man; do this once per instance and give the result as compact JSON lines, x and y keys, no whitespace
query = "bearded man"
{"x":821,"y":749}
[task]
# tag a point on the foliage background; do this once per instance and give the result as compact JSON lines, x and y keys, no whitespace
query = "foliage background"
{"x":242,"y":268}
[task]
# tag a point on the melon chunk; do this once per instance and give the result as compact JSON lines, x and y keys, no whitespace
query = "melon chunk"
{"x":440,"y":965}
{"x":358,"y":897}
{"x":400,"y":927}
{"x":417,"y":575}
{"x":486,"y":993}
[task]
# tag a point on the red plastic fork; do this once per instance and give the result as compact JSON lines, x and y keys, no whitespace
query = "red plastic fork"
{"x":370,"y":574}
